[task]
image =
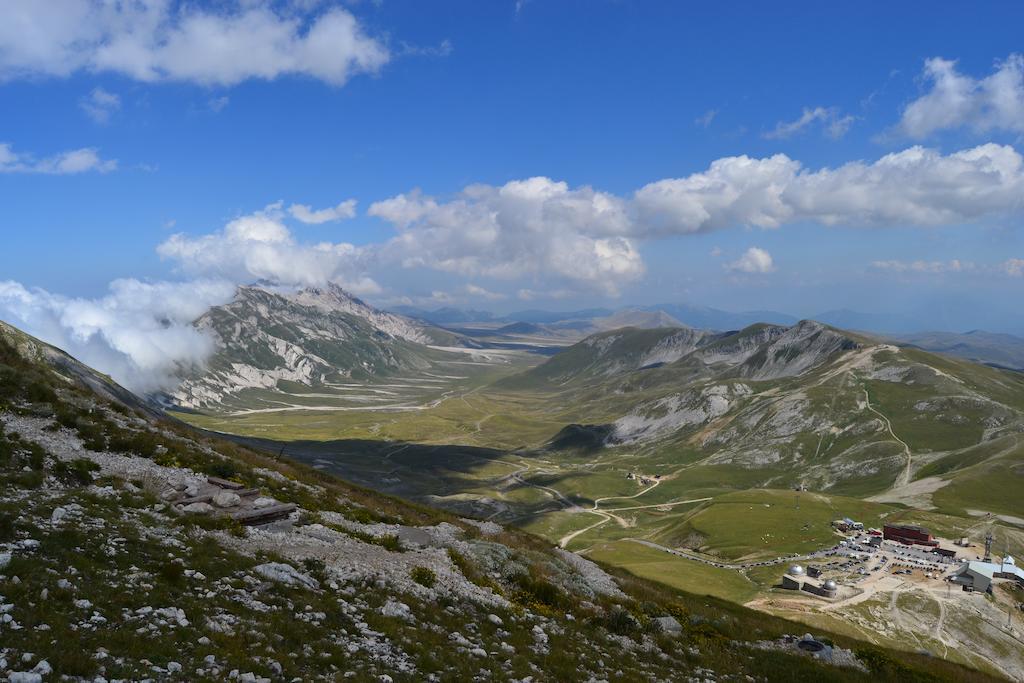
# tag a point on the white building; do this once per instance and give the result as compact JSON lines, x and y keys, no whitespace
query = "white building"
{"x":979,"y":575}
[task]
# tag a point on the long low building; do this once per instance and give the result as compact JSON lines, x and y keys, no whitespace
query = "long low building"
{"x":979,"y":575}
{"x":909,"y":534}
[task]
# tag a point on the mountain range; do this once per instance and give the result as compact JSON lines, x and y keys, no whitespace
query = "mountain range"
{"x":802,"y":404}
{"x":998,"y":349}
{"x":466,"y":425}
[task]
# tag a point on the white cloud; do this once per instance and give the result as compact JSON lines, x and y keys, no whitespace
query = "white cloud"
{"x":1013,"y":267}
{"x":920,"y":266}
{"x":100,"y":105}
{"x":526,"y":227}
{"x":917,"y":186}
{"x":140,"y":333}
{"x":955,"y":100}
{"x":157,"y":40}
{"x":66,"y":163}
{"x":753,"y":260}
{"x":733,"y":191}
{"x":305,"y":214}
{"x":833,"y":122}
{"x":259,"y":246}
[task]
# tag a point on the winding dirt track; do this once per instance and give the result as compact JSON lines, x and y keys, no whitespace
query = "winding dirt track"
{"x":904,"y":477}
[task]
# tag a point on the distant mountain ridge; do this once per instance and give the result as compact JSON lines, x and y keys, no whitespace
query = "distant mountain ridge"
{"x":717,"y":319}
{"x":692,"y":315}
{"x":990,"y":348}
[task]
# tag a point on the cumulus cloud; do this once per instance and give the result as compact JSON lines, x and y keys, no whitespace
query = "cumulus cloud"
{"x":99,"y":105}
{"x":140,"y":333}
{"x":526,"y":227}
{"x":733,"y":191}
{"x":305,"y":214}
{"x":919,"y":266}
{"x":161,"y":40}
{"x":65,"y":163}
{"x":583,"y":238}
{"x":259,"y":246}
{"x":833,"y":122}
{"x":917,"y":186}
{"x":753,"y":260}
{"x":955,"y":100}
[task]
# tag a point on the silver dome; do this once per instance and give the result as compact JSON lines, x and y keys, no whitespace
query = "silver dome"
{"x":796,"y":570}
{"x":831,"y":585}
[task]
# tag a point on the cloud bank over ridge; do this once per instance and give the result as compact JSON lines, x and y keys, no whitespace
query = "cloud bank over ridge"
{"x":527,"y":237}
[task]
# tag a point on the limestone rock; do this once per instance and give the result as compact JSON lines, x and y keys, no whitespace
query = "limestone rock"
{"x":226,"y":499}
{"x":285,"y":573}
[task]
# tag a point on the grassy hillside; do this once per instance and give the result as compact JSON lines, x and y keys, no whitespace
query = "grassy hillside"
{"x":354,"y":584}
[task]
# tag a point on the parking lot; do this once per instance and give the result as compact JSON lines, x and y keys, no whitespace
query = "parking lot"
{"x":854,"y":560}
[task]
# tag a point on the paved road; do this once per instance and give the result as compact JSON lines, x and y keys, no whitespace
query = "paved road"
{"x":726,"y":565}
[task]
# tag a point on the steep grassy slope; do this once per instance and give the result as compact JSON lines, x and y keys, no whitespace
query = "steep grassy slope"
{"x":352,"y":585}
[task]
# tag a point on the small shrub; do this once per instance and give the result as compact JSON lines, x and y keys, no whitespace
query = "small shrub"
{"x":390,"y":542}
{"x":315,"y":567}
{"x":77,"y":472}
{"x":171,"y":572}
{"x":28,"y":480}
{"x":423,"y":576}
{"x":140,"y":443}
{"x":6,"y":527}
{"x":472,"y":572}
{"x":225,"y":469}
{"x":537,"y":591}
{"x":306,"y":518}
{"x":620,"y":622}
{"x":36,"y":456}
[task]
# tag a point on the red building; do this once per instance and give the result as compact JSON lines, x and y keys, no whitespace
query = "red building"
{"x":909,"y":534}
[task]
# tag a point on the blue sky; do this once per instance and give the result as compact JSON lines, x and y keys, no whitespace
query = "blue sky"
{"x":115,"y":136}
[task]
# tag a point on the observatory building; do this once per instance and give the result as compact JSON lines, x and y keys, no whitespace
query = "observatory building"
{"x":797,"y":579}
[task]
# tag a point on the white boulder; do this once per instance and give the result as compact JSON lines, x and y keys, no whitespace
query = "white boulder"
{"x":226,"y":499}
{"x":286,"y":574}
